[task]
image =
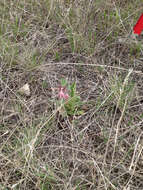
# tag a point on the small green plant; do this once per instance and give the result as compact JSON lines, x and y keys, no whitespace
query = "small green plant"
{"x":123,"y":91}
{"x":57,"y":56}
{"x":69,"y":98}
{"x":71,"y":38}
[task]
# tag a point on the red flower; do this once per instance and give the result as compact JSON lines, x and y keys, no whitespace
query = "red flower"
{"x":139,"y":26}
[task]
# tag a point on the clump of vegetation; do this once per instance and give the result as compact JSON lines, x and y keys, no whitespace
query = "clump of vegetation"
{"x":70,"y":100}
{"x":122,"y":91}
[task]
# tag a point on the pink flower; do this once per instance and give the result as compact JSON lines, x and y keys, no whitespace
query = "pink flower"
{"x":62,"y":93}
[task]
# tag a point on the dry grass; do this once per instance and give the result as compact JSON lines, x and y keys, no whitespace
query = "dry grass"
{"x":91,"y":43}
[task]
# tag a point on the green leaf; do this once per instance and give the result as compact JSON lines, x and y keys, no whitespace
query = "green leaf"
{"x":73,"y":89}
{"x":63,"y":82}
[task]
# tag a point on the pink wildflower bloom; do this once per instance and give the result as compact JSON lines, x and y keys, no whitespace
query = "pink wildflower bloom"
{"x":63,"y":94}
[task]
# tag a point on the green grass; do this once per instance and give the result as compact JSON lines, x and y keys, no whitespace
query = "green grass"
{"x":87,"y":43}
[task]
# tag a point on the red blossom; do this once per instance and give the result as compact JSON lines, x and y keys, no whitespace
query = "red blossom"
{"x":139,"y":26}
